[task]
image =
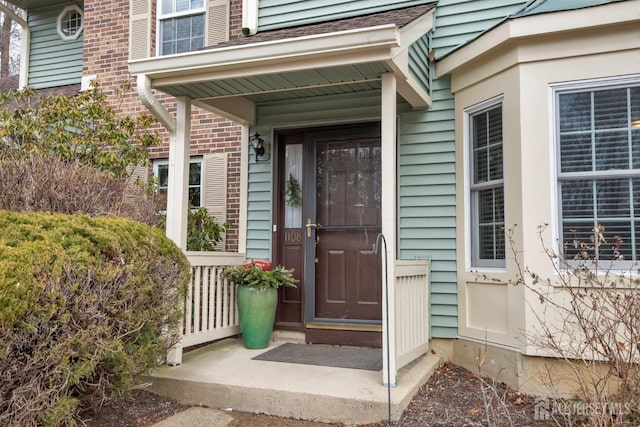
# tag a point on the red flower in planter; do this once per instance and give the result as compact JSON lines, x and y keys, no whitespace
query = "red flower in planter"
{"x":259,"y":273}
{"x":260,"y":263}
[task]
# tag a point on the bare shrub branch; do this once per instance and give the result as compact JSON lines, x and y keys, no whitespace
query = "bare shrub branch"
{"x":588,"y":317}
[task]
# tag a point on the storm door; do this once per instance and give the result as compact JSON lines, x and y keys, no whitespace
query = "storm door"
{"x":347,"y":220}
{"x":329,"y":217}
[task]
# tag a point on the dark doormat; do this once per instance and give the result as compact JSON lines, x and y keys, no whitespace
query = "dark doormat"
{"x":325,"y":355}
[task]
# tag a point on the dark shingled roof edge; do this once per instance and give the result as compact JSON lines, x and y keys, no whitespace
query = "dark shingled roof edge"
{"x":400,"y":17}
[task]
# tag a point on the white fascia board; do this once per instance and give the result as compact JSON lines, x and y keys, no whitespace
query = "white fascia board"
{"x":407,"y":86}
{"x":540,"y":25}
{"x":413,"y":93}
{"x":572,"y":20}
{"x":252,"y":58}
{"x":272,"y":67}
{"x":417,"y":28}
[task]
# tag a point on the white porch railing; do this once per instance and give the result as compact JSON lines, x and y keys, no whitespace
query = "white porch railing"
{"x":211,"y":313}
{"x":210,"y":304}
{"x":411,"y":310}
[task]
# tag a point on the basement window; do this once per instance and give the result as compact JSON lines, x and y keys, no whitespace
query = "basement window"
{"x":70,"y":22}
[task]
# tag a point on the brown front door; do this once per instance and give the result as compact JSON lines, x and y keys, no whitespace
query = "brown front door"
{"x":330,"y":235}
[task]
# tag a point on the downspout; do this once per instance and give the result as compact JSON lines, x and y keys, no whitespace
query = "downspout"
{"x":250,"y":10}
{"x":24,"y":45}
{"x":151,"y":102}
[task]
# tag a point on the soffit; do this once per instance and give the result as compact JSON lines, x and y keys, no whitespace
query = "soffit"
{"x":288,"y":85}
{"x":344,"y":56}
{"x":34,"y":4}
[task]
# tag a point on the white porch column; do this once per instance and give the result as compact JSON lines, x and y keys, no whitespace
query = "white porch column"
{"x":178,"y":191}
{"x":389,"y":203}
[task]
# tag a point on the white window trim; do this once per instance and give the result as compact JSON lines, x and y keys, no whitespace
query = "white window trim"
{"x":165,"y":162}
{"x":554,"y":153}
{"x":467,"y":159}
{"x":63,"y":36}
{"x":161,"y":17}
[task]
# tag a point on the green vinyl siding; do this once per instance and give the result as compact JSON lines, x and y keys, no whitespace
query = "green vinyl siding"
{"x":419,"y":64}
{"x":426,"y":183}
{"x":426,"y":150}
{"x":259,"y":210}
{"x":289,"y":13}
{"x":317,"y":111}
{"x":426,"y":162}
{"x":356,"y":106}
{"x":52,"y":61}
{"x":426,"y":202}
{"x":459,"y":21}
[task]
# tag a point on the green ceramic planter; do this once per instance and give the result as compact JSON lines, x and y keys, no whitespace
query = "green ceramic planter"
{"x":257,"y":311}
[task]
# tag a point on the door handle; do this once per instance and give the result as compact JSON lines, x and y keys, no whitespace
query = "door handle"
{"x":309,"y":226}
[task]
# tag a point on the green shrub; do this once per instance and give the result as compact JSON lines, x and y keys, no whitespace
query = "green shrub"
{"x":203,"y":232}
{"x":83,"y":128}
{"x":86,"y":304}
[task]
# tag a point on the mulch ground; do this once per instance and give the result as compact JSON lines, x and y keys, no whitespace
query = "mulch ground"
{"x":453,"y":396}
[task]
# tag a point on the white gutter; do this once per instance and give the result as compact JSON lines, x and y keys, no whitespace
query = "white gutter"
{"x":149,"y":100}
{"x":24,"y":44}
{"x":260,"y":54}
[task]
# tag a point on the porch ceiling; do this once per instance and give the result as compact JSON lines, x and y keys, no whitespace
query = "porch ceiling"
{"x":231,"y":78}
{"x":288,"y":85}
{"x":34,"y":4}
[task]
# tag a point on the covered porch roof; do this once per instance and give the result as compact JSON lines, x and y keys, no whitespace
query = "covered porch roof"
{"x":343,"y":56}
{"x":33,"y":4}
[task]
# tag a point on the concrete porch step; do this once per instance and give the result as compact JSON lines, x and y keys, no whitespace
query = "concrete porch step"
{"x":222,"y":375}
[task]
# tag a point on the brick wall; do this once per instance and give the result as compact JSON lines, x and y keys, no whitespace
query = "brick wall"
{"x":105,"y":54}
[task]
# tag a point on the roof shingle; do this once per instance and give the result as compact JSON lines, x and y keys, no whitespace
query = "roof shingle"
{"x":399,"y":17}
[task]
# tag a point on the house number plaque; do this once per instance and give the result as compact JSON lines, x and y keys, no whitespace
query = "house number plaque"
{"x":292,"y":236}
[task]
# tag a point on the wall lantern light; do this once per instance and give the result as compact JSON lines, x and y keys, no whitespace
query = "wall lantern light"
{"x":258,"y":146}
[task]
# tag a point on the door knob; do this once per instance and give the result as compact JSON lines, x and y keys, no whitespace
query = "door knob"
{"x":309,"y":226}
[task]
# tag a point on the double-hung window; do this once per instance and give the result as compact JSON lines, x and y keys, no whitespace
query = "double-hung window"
{"x":181,"y":26}
{"x":486,"y":186}
{"x":598,"y":149}
{"x":161,"y":172}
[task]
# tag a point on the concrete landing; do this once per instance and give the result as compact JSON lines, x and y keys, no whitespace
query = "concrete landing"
{"x":222,"y":375}
{"x":197,"y":416}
